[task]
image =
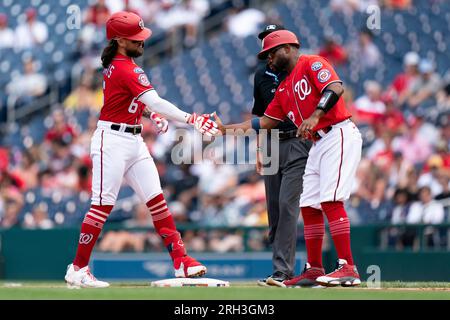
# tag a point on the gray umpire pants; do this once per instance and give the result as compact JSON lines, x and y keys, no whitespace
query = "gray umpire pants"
{"x":283,"y":191}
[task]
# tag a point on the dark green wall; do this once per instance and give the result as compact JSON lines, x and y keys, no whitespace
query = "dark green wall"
{"x":44,"y":254}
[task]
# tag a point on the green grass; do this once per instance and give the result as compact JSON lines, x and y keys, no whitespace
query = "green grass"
{"x":237,"y":291}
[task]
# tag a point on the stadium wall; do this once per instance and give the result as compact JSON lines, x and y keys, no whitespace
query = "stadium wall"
{"x":44,"y":255}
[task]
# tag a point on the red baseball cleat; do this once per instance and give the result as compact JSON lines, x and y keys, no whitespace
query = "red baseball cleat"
{"x":345,"y":275}
{"x":188,"y":267}
{"x":306,"y":279}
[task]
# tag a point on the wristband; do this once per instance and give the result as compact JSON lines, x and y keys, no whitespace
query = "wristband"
{"x":256,"y":124}
{"x":328,"y":100}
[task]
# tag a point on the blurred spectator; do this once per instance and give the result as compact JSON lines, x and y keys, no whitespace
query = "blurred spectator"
{"x":399,"y":87}
{"x":392,"y":119}
{"x":11,"y":199}
{"x":6,"y":34}
{"x":243,"y":22}
{"x":426,"y":210}
{"x":32,"y":32}
{"x":369,"y":108}
{"x":443,"y":97}
{"x":380,"y":151}
{"x":60,"y":129}
{"x":413,"y":147}
{"x":424,"y":87}
{"x":347,"y":7}
{"x":28,"y":85}
{"x":371,"y":183}
{"x":221,"y":241}
{"x":185,"y":15}
{"x":147,"y":9}
{"x":333,"y":52}
{"x":364,"y":52}
{"x":92,"y":33}
{"x":397,"y":4}
{"x":38,"y":219}
{"x":398,"y":172}
{"x":28,"y":169}
{"x":430,"y":178}
{"x":97,"y":14}
{"x":195,"y":240}
{"x":444,"y":181}
{"x":401,"y":207}
{"x":84,"y":97}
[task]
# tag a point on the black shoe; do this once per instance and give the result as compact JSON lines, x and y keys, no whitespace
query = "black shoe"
{"x":277,"y":276}
{"x":263,"y":282}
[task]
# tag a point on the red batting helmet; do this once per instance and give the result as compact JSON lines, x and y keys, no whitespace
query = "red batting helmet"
{"x":276,"y":39}
{"x":126,"y":25}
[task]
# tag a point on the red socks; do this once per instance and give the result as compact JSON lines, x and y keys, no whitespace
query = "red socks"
{"x":165,"y":226}
{"x":90,"y":230}
{"x":162,"y":220}
{"x":339,"y":229}
{"x":314,"y":230}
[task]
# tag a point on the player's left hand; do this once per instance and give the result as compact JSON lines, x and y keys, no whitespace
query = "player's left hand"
{"x":161,"y":123}
{"x":307,"y":126}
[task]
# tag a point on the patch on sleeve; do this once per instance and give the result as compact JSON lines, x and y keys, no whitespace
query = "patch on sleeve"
{"x":143,"y":80}
{"x":138,"y":70}
{"x":316,"y":66}
{"x":324,"y":75}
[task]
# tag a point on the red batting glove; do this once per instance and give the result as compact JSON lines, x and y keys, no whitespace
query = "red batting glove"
{"x":161,"y":123}
{"x":203,"y":124}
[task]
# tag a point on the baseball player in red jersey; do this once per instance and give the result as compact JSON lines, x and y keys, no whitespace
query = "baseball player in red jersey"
{"x":311,"y":97}
{"x":118,"y":151}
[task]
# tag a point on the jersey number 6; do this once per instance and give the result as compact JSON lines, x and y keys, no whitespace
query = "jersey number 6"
{"x":133,"y":106}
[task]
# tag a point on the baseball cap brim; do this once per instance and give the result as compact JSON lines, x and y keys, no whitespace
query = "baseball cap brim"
{"x":263,"y":34}
{"x":262,"y":55}
{"x":276,"y":27}
{"x":142,"y":35}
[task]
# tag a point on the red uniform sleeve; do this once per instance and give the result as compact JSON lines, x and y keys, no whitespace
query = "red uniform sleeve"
{"x":321,"y":73}
{"x":136,"y":81}
{"x":274,"y":109}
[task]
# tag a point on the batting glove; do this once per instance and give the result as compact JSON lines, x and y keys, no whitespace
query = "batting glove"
{"x":161,"y":123}
{"x":203,"y":124}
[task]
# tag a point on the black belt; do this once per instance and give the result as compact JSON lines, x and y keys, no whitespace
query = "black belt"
{"x":316,"y":136}
{"x":284,"y":135}
{"x":130,"y":129}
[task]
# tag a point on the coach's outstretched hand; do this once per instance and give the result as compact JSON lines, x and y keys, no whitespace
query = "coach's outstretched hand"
{"x":219,"y":123}
{"x":203,"y":124}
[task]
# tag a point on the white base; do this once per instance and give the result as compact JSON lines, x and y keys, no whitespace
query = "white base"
{"x":190,"y":282}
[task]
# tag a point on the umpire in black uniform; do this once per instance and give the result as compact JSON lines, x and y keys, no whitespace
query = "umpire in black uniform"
{"x":283,"y":188}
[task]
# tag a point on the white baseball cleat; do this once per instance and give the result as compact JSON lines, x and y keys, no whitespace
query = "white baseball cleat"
{"x":82,"y":278}
{"x":188,"y":267}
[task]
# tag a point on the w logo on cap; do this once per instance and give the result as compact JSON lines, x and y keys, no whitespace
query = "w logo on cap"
{"x":141,"y":24}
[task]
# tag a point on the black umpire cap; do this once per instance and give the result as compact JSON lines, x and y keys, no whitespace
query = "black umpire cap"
{"x":269,"y":29}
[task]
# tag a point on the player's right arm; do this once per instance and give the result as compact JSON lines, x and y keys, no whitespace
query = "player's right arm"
{"x":155,"y":103}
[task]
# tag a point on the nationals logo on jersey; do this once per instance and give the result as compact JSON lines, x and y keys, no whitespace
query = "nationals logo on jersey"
{"x":143,"y":80}
{"x":324,"y":75}
{"x":302,"y":88}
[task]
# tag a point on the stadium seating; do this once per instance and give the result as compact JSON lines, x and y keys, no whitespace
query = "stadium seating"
{"x":217,"y":74}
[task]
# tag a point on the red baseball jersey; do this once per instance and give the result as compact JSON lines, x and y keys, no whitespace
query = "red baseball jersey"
{"x":298,"y":95}
{"x":123,"y":83}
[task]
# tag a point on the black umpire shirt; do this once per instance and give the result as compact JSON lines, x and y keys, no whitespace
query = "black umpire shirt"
{"x":265,"y":85}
